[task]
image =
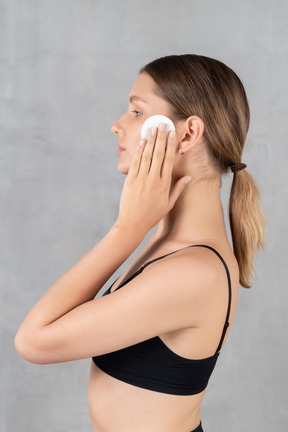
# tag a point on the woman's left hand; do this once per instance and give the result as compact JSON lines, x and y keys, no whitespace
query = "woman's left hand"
{"x":147,"y":195}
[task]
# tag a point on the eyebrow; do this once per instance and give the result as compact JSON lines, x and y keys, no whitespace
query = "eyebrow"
{"x":136,"y":98}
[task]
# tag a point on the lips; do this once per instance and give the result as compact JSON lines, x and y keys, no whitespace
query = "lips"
{"x":120,"y":149}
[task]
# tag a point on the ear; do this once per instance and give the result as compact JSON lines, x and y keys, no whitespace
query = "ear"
{"x":192,"y":133}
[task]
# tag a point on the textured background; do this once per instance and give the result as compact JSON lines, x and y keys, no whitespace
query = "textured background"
{"x":66,"y":68}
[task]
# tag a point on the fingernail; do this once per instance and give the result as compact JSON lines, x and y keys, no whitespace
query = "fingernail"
{"x":162,"y":127}
{"x":187,"y":180}
{"x":142,"y":142}
{"x":172,"y":134}
{"x":153,"y":131}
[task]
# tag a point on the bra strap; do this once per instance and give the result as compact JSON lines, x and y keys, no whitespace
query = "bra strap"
{"x":226,"y":325}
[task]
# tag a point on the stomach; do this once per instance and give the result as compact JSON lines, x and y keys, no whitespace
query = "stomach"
{"x":116,"y":406}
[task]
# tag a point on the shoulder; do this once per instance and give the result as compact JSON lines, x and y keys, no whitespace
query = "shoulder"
{"x":196,"y":266}
{"x":193,"y":277}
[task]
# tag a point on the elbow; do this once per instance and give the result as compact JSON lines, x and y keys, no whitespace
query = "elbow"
{"x":27,"y":348}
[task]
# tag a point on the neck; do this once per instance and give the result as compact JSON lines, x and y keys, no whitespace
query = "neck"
{"x":196,"y":216}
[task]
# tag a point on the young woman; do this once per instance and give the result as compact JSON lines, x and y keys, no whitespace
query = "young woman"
{"x":156,"y":334}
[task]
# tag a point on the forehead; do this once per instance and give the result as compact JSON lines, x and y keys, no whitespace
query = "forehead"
{"x":143,"y":84}
{"x":145,"y":88}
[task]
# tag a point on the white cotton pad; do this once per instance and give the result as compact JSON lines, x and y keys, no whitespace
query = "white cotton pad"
{"x":155,"y":121}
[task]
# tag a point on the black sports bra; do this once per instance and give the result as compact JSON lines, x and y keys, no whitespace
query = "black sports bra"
{"x":152,"y":365}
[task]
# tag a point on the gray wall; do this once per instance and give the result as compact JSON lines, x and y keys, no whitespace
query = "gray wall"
{"x":66,"y":68}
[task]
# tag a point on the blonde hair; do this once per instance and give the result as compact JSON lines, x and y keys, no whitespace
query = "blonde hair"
{"x":202,"y":86}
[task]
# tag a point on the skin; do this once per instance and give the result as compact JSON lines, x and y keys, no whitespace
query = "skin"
{"x":181,"y":298}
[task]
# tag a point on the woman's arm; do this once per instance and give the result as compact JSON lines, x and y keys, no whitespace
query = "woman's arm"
{"x":76,"y":287}
{"x":83,"y":281}
{"x":155,"y":302}
{"x":145,"y":199}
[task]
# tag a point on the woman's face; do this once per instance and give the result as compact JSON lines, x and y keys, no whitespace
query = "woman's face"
{"x":143,"y":103}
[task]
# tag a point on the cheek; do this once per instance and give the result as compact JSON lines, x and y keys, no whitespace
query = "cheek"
{"x":136,"y":135}
{"x":133,"y":139}
{"x":125,"y":158}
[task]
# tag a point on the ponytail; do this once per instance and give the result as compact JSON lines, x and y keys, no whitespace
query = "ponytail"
{"x":247,"y":222}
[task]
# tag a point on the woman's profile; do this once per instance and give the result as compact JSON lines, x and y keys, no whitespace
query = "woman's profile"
{"x":156,"y":334}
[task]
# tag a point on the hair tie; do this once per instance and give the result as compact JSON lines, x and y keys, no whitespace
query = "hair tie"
{"x":238,"y":167}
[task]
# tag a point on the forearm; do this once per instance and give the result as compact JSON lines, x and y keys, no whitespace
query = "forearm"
{"x":83,"y":281}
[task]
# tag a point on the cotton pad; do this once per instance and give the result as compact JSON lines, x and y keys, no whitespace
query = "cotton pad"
{"x":155,"y":121}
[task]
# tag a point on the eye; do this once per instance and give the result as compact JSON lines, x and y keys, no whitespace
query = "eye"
{"x":137,"y":113}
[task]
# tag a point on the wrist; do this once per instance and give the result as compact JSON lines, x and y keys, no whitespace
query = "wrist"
{"x":129,"y":232}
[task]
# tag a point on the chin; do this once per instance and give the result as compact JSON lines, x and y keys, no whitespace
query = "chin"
{"x":123,"y":168}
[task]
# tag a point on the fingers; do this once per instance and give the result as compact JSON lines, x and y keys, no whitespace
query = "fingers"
{"x":159,"y":150}
{"x":169,"y":158}
{"x":148,"y":152}
{"x":136,"y":161}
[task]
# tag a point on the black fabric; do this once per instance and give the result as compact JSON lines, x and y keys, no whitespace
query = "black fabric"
{"x":198,"y":429}
{"x":152,"y":365}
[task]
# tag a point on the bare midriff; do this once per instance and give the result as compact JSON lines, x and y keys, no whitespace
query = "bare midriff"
{"x":116,"y":406}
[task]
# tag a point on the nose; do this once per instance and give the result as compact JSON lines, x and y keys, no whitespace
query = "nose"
{"x":114,"y":128}
{"x":117,"y":128}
